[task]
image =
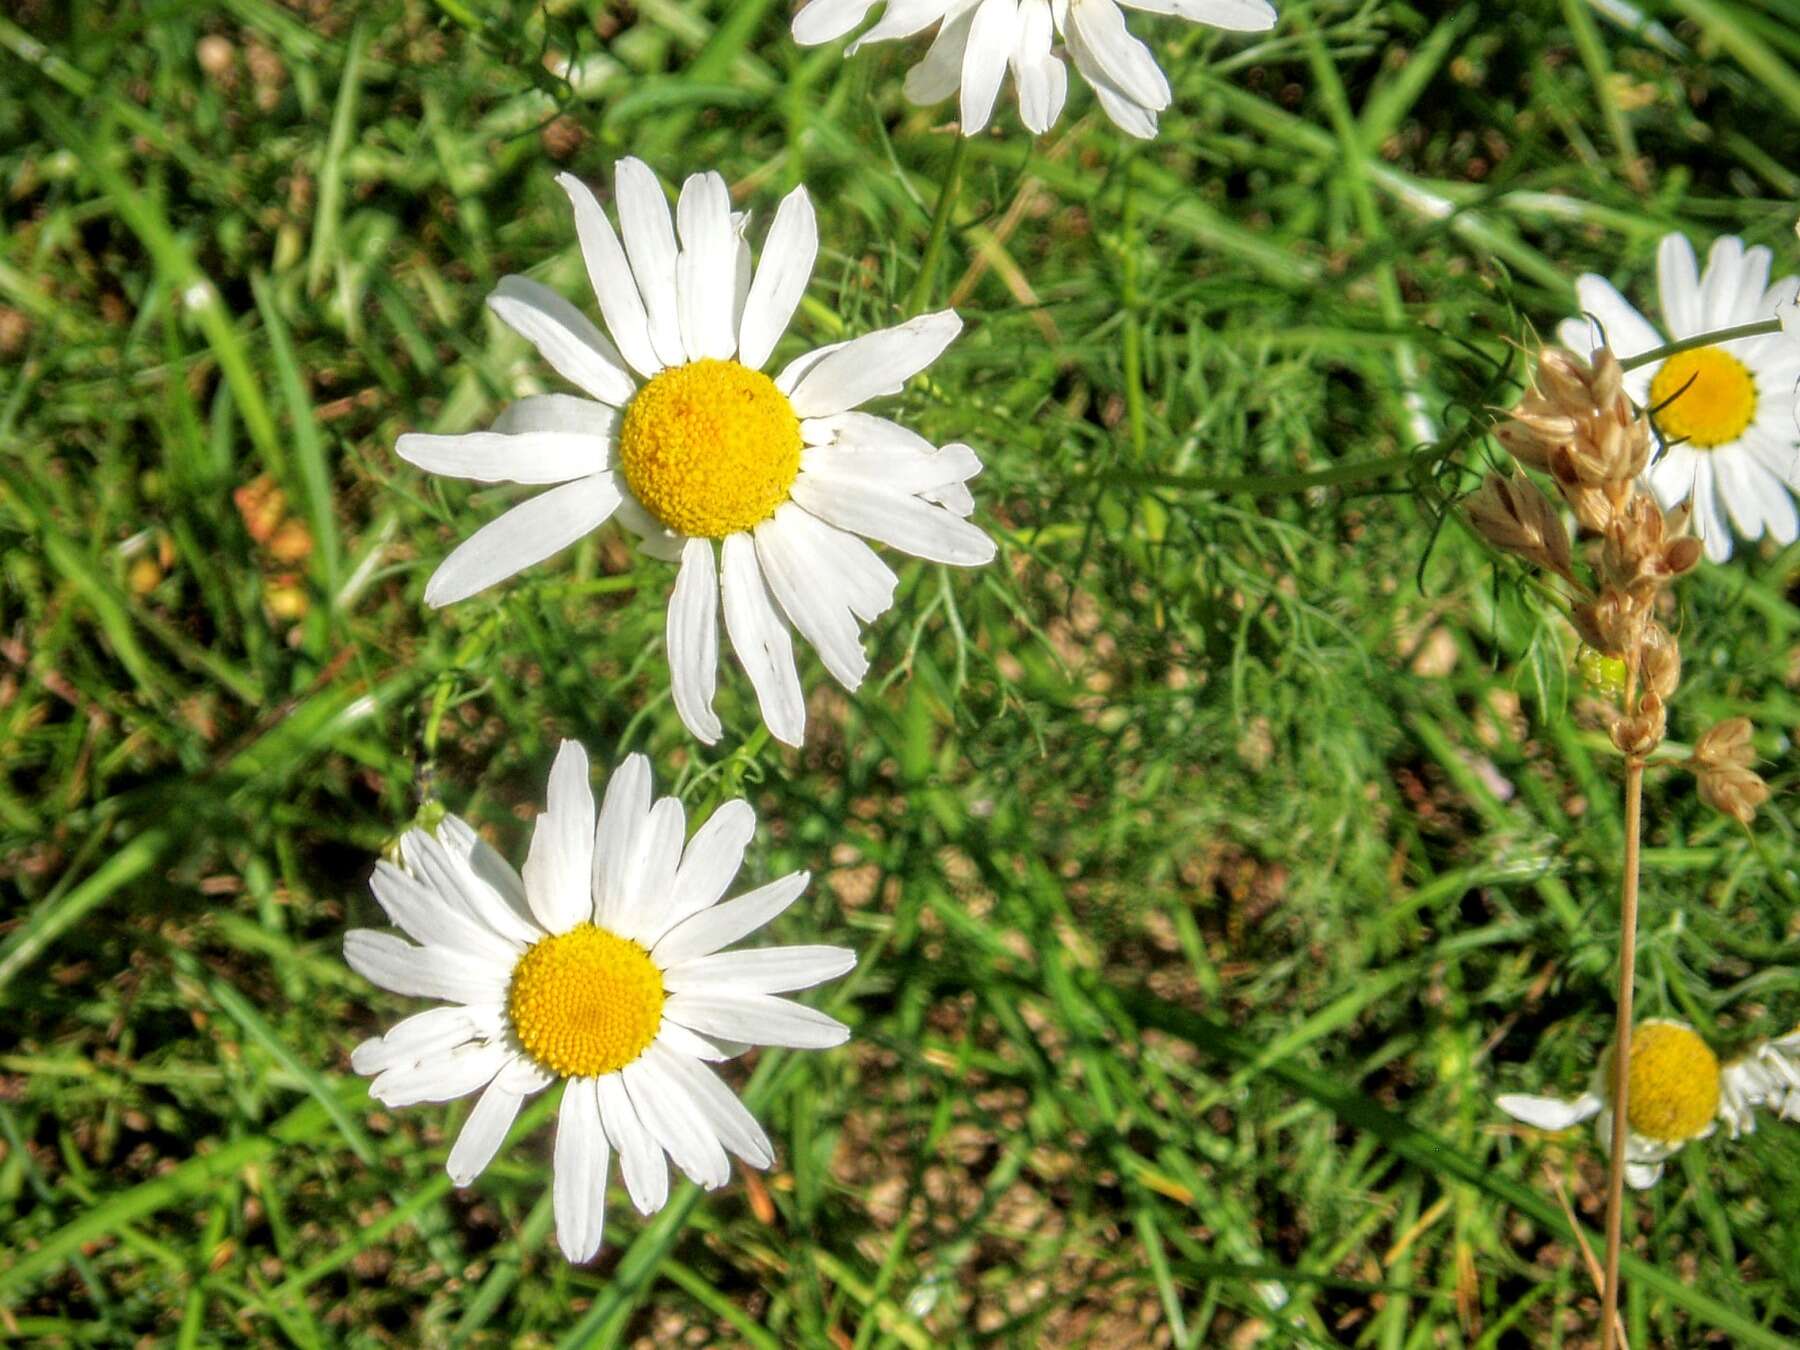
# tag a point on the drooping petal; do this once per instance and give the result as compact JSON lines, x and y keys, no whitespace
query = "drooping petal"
{"x":579,"y":1168}
{"x":991,"y":40}
{"x":810,"y":596}
{"x":788,"y":254}
{"x":640,"y":1158}
{"x":727,"y":1117}
{"x":693,"y":640}
{"x":936,"y":77}
{"x":529,"y":533}
{"x":761,"y":641}
{"x":1108,"y":55}
{"x":565,"y":337}
{"x":1042,"y":80}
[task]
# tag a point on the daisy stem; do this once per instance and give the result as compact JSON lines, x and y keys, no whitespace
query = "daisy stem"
{"x":1688,"y":344}
{"x":1615,"y":1176}
{"x":948,"y":192}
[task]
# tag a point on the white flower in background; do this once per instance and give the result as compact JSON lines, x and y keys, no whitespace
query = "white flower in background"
{"x":601,"y":966}
{"x":758,"y":487}
{"x":1674,"y":1097}
{"x":978,"y":40}
{"x":1726,"y":412}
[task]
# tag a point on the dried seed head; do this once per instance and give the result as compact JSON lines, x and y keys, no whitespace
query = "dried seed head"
{"x":1611,"y":622}
{"x":1659,"y":661}
{"x":1726,"y":746}
{"x":1735,"y":792}
{"x":1515,"y":515}
{"x":1637,"y":734}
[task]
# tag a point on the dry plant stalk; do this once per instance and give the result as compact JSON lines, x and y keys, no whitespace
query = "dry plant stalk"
{"x":1578,"y":428}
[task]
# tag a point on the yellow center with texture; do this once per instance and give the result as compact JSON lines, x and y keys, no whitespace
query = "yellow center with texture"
{"x":1705,"y":397}
{"x":585,"y":1002}
{"x":710,"y":448}
{"x":1674,"y":1083}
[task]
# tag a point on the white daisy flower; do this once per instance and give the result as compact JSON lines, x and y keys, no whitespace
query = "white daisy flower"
{"x":1727,"y":411}
{"x":1674,"y":1097}
{"x":758,"y":487}
{"x":978,"y":40}
{"x":602,"y":966}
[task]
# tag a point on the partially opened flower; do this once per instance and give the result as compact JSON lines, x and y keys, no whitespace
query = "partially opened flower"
{"x":1673,"y":1098}
{"x":1726,"y":411}
{"x":758,"y":487}
{"x":602,"y":966}
{"x":979,"y":40}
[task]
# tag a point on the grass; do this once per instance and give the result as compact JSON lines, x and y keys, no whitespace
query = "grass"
{"x":1214,"y":857}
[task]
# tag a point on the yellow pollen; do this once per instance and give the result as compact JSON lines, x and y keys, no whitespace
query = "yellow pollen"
{"x":1674,"y":1083}
{"x":710,"y":448}
{"x":585,"y":1002}
{"x":1710,"y":397}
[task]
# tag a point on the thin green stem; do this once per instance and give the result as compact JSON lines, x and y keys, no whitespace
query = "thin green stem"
{"x":1688,"y":344}
{"x":948,"y":192}
{"x":1363,"y":471}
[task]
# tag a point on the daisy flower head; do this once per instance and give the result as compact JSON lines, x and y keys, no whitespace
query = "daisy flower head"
{"x":1766,"y":1075}
{"x":1724,"y":412}
{"x":979,"y":40}
{"x":762,"y":489}
{"x":1674,"y":1096}
{"x":602,"y":965}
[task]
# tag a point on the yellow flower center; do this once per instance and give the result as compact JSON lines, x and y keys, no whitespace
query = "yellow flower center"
{"x":1674,"y":1083}
{"x":585,"y":1002}
{"x":1710,"y":397}
{"x":710,"y":448}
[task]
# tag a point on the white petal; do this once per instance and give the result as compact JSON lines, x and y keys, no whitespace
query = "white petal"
{"x":665,"y":1111}
{"x":429,"y":919}
{"x":649,"y":235}
{"x":640,"y":1159}
{"x":579,"y":1168}
{"x":827,"y":20}
{"x":761,"y":641}
{"x":483,"y":1132}
{"x":906,"y":523}
{"x":901,"y":471}
{"x":681,"y":1041}
{"x":1642,"y":1176}
{"x":867,"y":583}
{"x":529,"y":533}
{"x":424,"y":972}
{"x":810,"y":596}
{"x":787,"y":262}
{"x":1550,"y":1113}
{"x":442,"y":1078}
{"x":610,"y":275}
{"x":936,"y":77}
{"x":743,"y":272}
{"x":1041,"y":79}
{"x":712,"y":858}
{"x":560,"y":868}
{"x":563,"y":413}
{"x":466,"y":871}
{"x":761,"y":970}
{"x":1709,"y":517}
{"x":984,"y":60}
{"x":1130,"y":117}
{"x":1609,"y":316}
{"x":427,"y":1035}
{"x":1108,"y":55}
{"x":711,"y":929}
{"x":654,"y":538}
{"x":565,"y":337}
{"x":729,"y":1119}
{"x":693,"y":640}
{"x":705,"y":269}
{"x":487,"y":457}
{"x":1678,"y":287}
{"x":623,"y":814}
{"x":759,"y":1019}
{"x":653,"y":875}
{"x":1236,"y":16}
{"x":871,"y":366}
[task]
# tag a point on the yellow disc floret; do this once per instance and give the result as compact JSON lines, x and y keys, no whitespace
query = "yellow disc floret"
{"x":585,"y":1002}
{"x":1674,"y":1083}
{"x":1705,"y":397}
{"x":710,"y":448}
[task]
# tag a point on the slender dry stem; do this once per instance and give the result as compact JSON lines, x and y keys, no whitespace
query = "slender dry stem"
{"x":1615,"y":1175}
